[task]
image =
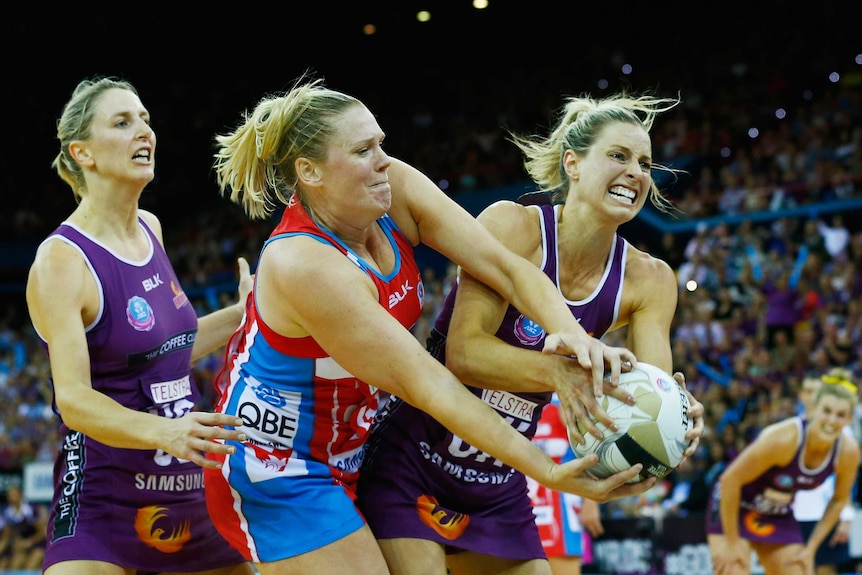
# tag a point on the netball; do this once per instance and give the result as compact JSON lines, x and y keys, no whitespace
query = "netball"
{"x":652,"y":431}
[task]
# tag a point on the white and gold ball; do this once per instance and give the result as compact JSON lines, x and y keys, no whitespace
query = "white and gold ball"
{"x":652,"y":431}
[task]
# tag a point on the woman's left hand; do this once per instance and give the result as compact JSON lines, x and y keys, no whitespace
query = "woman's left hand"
{"x":695,"y":411}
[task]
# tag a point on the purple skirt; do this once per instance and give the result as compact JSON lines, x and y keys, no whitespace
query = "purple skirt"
{"x":113,"y":505}
{"x":404,"y":490}
{"x":753,"y":526}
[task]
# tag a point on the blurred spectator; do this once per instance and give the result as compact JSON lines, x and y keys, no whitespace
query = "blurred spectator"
{"x":814,"y":240}
{"x":670,"y":250}
{"x":836,"y":237}
{"x":783,"y":306}
{"x":25,"y":524}
{"x":688,"y":493}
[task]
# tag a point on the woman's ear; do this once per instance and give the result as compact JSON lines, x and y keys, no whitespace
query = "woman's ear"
{"x":81,"y":153}
{"x":307,"y":172}
{"x":572,"y":164}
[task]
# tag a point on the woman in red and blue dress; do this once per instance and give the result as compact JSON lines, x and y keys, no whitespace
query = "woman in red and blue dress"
{"x":325,"y":337}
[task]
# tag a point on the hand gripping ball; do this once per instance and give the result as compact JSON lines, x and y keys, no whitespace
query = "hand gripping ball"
{"x":652,"y":431}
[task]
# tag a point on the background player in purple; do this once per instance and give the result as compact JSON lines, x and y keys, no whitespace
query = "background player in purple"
{"x":326,"y":331}
{"x":121,"y":334}
{"x":810,"y":504}
{"x":751,"y":503}
{"x":433,"y":497}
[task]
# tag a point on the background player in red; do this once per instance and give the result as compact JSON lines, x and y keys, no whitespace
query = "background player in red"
{"x":567,"y":523}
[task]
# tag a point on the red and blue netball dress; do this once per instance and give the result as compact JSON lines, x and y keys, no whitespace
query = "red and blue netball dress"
{"x":558,"y":514}
{"x":143,"y":509}
{"x":290,"y":488}
{"x":421,"y":481}
{"x":765,"y":511}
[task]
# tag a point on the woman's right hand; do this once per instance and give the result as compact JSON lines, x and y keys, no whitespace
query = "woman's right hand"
{"x":575,"y":386}
{"x":593,"y":355}
{"x":194,"y":435}
{"x":730,"y":558}
{"x":574,"y":477}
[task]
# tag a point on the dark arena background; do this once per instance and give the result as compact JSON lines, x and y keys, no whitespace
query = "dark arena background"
{"x":768,"y":136}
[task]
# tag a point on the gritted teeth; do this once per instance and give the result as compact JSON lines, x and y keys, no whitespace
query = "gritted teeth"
{"x":142,"y":154}
{"x":621,"y":192}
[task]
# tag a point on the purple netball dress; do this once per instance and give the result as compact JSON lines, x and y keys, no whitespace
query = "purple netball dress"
{"x":419,"y":480}
{"x":765,"y":512}
{"x":143,"y":509}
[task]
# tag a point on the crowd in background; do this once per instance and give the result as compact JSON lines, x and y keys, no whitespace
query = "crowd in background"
{"x":763,"y":301}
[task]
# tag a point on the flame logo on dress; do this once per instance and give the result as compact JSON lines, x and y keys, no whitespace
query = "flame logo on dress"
{"x":448,"y":524}
{"x":755,"y":526}
{"x":155,"y":536}
{"x":180,"y":298}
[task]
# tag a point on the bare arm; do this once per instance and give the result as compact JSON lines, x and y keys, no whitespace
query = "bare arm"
{"x":5,"y":538}
{"x":348,"y":321}
{"x":649,"y":305}
{"x":844,"y":528}
{"x":214,"y":329}
{"x":483,"y":360}
{"x":428,"y":216}
{"x":591,"y":518}
{"x":845,"y":476}
{"x":59,"y":268}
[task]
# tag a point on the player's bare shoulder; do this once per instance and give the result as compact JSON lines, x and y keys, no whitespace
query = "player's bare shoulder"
{"x":643,"y":268}
{"x":153,"y":222}
{"x":57,"y":262}
{"x":59,"y":268}
{"x":850,"y":447}
{"x":781,"y":435}
{"x":514,"y":224}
